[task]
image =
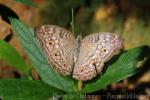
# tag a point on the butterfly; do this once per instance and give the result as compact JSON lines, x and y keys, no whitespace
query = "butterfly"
{"x":81,"y":58}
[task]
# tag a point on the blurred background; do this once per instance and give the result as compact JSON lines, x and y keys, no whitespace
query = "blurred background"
{"x":128,"y":18}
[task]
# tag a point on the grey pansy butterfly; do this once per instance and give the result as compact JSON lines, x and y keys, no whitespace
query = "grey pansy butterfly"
{"x":81,"y":58}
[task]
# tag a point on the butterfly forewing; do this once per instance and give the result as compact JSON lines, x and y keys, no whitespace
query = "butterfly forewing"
{"x":59,"y":46}
{"x":95,"y":49}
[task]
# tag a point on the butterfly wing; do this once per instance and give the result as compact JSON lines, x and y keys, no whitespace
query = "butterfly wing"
{"x":58,"y":45}
{"x":95,"y":49}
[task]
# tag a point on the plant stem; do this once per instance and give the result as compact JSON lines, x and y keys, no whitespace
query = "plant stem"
{"x":72,"y":20}
{"x":80,"y":85}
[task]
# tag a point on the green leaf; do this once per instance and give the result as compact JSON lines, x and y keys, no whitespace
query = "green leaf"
{"x":35,"y":53}
{"x":11,"y":56}
{"x":27,"y":2}
{"x":126,"y":65}
{"x":14,"y":89}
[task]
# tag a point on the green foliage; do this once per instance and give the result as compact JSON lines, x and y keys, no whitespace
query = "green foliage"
{"x":11,"y":56}
{"x":27,"y":2}
{"x":14,"y":89}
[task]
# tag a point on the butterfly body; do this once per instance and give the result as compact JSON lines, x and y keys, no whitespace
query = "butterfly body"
{"x":83,"y":58}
